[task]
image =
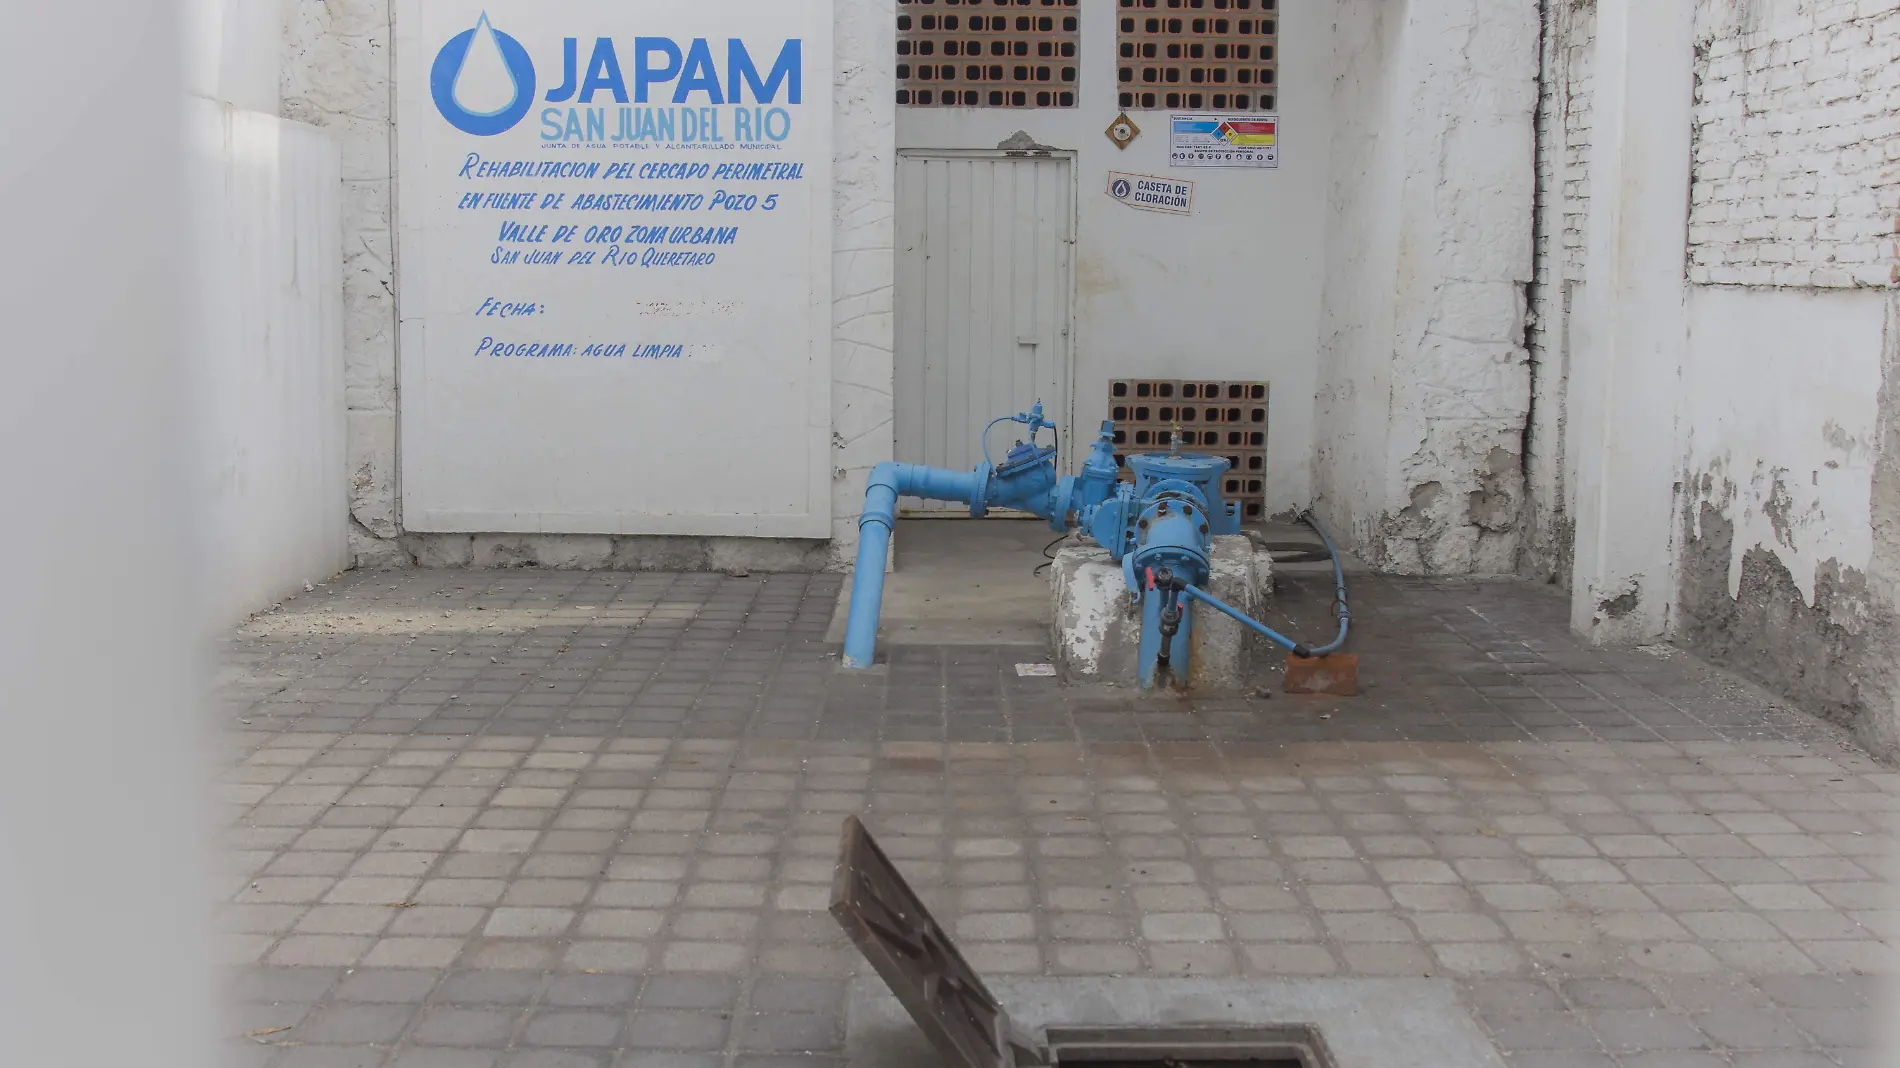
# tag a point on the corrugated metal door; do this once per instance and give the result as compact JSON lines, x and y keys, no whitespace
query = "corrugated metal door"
{"x":983,"y":302}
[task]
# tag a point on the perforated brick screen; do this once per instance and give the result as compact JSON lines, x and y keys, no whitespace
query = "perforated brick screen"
{"x":1221,"y":418}
{"x":1207,"y":55}
{"x":987,"y":53}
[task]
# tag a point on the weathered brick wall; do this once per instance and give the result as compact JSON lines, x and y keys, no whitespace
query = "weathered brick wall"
{"x":1563,"y":212}
{"x":1788,"y":552}
{"x":1575,"y":48}
{"x":1797,"y":144}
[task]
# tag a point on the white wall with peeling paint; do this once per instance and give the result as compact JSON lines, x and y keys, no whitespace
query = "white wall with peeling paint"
{"x":1781,"y":410}
{"x":1717,"y":372}
{"x":1424,"y":384}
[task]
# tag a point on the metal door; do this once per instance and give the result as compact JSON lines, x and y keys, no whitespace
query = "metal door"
{"x":984,"y":290}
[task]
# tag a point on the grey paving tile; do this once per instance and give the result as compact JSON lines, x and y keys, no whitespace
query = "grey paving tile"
{"x":345,"y":1023}
{"x":632,"y":821}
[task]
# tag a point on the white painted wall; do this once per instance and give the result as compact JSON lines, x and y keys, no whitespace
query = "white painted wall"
{"x":1292,"y":275}
{"x":1564,"y":116}
{"x":1717,"y":372}
{"x":266,"y":324}
{"x":1627,"y":337}
{"x":1781,"y":409}
{"x":1354,"y":391}
{"x":1230,"y":292}
{"x":234,"y":51}
{"x":268,"y":338}
{"x":864,"y":260}
{"x":1425,"y":381}
{"x":105,"y":894}
{"x":1774,"y":114}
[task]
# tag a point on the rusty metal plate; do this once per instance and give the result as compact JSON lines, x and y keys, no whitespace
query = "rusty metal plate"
{"x":919,"y":962}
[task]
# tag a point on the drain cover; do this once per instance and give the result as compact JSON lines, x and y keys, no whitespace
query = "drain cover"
{"x":920,"y":964}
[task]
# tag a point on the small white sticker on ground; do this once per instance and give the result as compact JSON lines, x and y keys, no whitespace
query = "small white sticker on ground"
{"x":1026,"y":670}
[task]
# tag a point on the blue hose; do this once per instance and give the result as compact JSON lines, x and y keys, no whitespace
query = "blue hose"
{"x":1299,"y":649}
{"x":1339,"y":589}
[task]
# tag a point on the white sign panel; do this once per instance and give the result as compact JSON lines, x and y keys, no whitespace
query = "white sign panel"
{"x":1224,"y":141}
{"x":1149,"y":193}
{"x":615,"y":255}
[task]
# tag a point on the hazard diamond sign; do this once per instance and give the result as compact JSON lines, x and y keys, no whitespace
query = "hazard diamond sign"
{"x":1224,"y":141}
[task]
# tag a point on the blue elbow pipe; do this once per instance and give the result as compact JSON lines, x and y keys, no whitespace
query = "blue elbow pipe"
{"x":887,"y":483}
{"x":1195,"y":593}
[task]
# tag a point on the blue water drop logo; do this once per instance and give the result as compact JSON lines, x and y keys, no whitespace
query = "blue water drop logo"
{"x":482,"y":80}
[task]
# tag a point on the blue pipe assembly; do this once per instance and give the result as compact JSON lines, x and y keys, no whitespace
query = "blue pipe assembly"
{"x":1160,"y":529}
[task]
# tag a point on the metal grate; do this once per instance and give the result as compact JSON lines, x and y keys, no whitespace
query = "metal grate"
{"x":1206,"y":55}
{"x":987,"y":53}
{"x":1214,"y":418}
{"x":918,"y":961}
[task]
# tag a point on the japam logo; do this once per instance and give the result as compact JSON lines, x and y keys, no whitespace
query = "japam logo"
{"x":483,"y":81}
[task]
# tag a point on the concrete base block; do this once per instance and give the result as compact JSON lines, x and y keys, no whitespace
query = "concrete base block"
{"x":1098,"y":627}
{"x":600,"y":552}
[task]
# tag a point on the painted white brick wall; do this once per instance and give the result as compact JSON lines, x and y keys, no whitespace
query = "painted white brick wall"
{"x":1576,"y":49}
{"x":1797,"y":144}
{"x":1563,"y":215}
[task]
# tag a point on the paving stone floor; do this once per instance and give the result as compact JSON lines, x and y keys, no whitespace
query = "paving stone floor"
{"x":544,"y":819}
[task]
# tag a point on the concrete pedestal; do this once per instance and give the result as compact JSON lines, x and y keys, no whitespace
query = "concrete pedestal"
{"x":1098,"y":628}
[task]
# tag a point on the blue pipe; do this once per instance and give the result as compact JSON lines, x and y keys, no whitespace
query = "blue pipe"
{"x":888,"y":482}
{"x":1195,"y":593}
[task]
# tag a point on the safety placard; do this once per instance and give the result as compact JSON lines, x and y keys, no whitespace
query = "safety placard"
{"x":1149,"y":193}
{"x":1224,"y":141}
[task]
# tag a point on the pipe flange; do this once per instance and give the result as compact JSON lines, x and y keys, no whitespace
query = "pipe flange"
{"x":980,"y":499}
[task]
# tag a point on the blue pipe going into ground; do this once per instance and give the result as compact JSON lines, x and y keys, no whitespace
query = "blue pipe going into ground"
{"x":1299,"y":649}
{"x":888,"y":482}
{"x":1339,"y":588}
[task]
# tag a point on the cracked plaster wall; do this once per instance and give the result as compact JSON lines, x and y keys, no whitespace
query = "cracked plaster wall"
{"x":338,"y":75}
{"x":1781,"y":398}
{"x":1791,"y":542}
{"x":1564,"y":116}
{"x":1790,"y":557}
{"x":1425,"y":387}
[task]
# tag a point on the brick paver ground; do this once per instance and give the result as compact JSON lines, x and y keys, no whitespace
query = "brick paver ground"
{"x":540,"y":820}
